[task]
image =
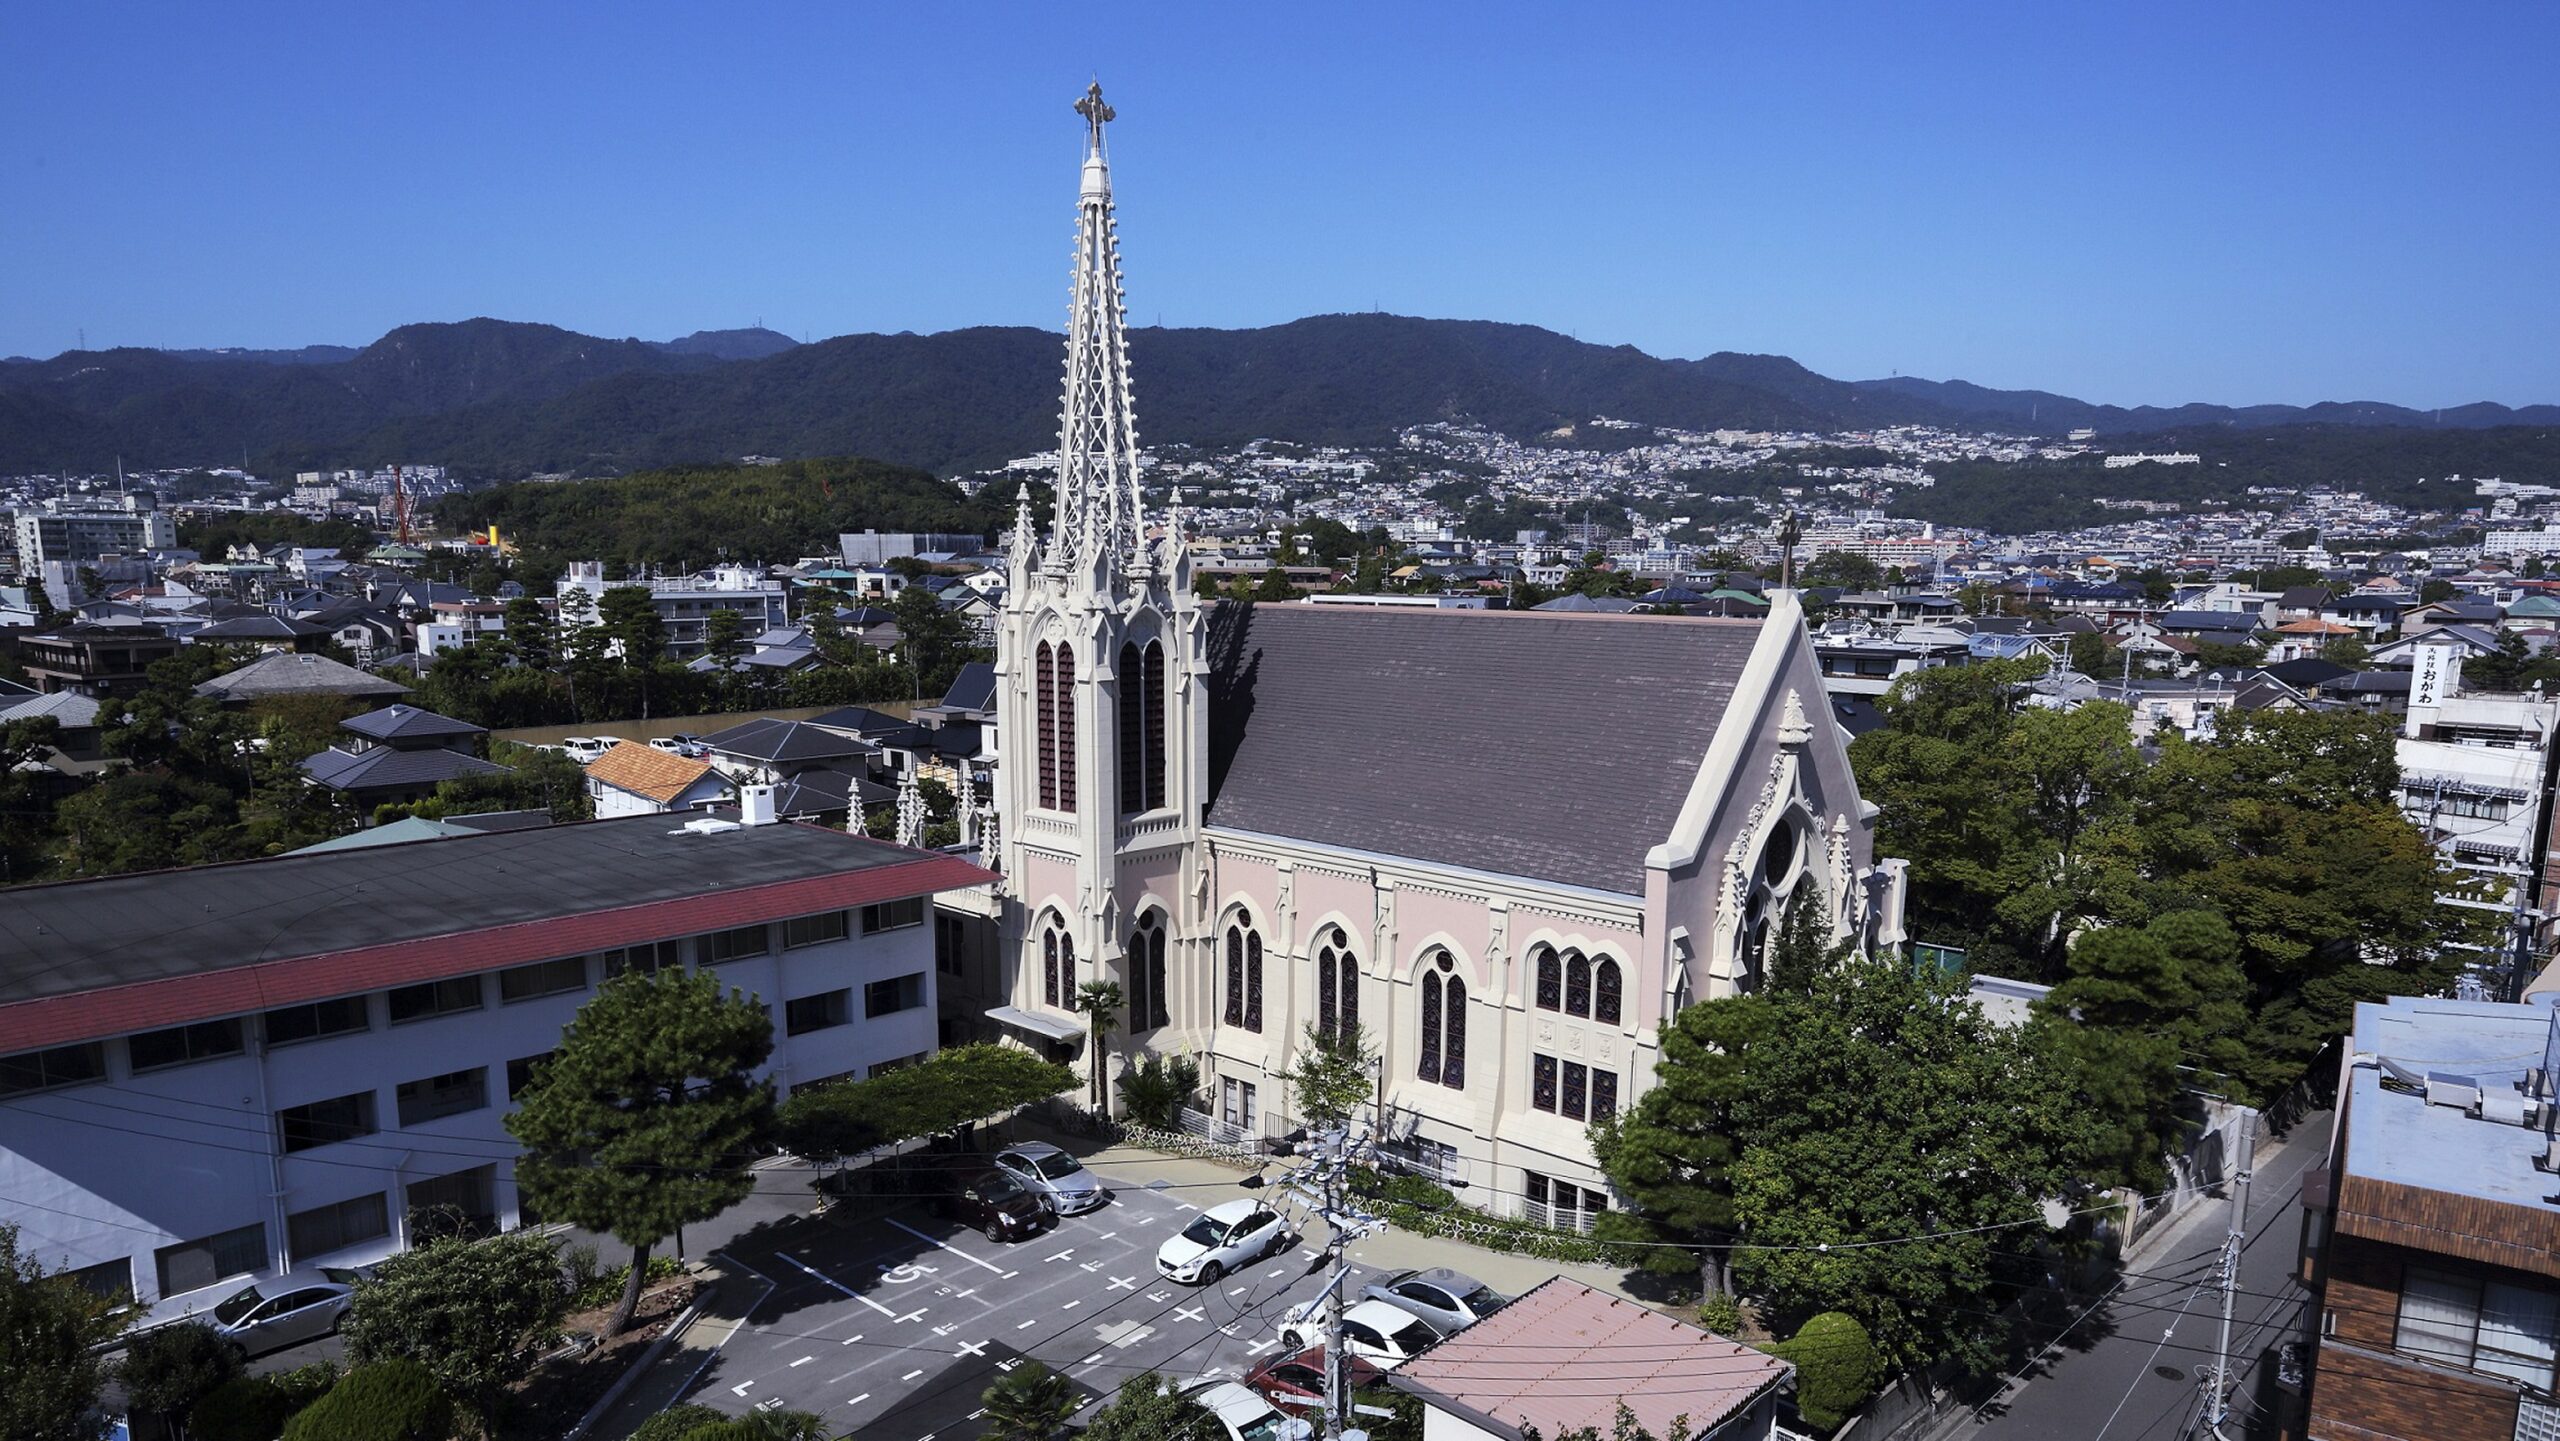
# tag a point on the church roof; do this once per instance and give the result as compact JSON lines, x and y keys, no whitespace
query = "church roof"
{"x":1464,"y":736}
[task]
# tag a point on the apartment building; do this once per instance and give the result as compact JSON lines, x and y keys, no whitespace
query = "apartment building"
{"x":77,"y":531}
{"x":223,"y":1072}
{"x":686,"y":602}
{"x":2431,"y":1236}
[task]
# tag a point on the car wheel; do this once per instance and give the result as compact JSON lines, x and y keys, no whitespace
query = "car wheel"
{"x":1212,"y":1273}
{"x":994,"y":1232}
{"x":1292,"y":1341}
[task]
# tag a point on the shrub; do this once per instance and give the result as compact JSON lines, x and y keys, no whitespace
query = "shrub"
{"x":676,"y":1423}
{"x":601,"y":1289}
{"x":1835,"y":1364}
{"x":1721,"y":1313}
{"x":393,"y":1400}
{"x":1156,"y":1091}
{"x":168,"y":1370}
{"x":256,"y":1408}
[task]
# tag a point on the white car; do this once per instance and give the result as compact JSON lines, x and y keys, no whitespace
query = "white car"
{"x":584,"y":749}
{"x":1374,"y":1330}
{"x":1243,"y":1415}
{"x":1221,"y":1239}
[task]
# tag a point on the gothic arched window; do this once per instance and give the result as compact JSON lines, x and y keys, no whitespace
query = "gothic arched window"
{"x":1550,"y":980}
{"x":1607,"y":999}
{"x":1066,"y":747}
{"x":1337,"y":986}
{"x":1045,"y":680}
{"x":1146,"y":973}
{"x":1444,"y":1022}
{"x":1142,"y":726}
{"x":1577,"y":984}
{"x":1244,"y":977}
{"x":1057,"y":962}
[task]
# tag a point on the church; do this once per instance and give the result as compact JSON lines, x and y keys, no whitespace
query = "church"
{"x":1502,"y":846}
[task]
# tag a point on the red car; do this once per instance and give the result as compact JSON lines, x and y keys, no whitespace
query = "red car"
{"x":1294,"y":1383}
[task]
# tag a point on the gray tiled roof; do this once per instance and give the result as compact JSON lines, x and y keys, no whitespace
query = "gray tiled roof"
{"x":383,"y":767}
{"x":1467,"y":737}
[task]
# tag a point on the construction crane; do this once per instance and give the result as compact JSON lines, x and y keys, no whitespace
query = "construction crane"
{"x":400,"y":505}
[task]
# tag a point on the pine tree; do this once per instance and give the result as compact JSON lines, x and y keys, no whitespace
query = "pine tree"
{"x":1672,"y":1156}
{"x":646,"y":1117}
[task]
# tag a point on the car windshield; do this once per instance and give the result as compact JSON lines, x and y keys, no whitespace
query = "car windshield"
{"x":1413,"y":1338}
{"x":999,"y":1188}
{"x":1205,"y":1231}
{"x":1262,"y":1428}
{"x":233,"y":1311}
{"x":1056,"y":1165}
{"x":1484,"y":1301}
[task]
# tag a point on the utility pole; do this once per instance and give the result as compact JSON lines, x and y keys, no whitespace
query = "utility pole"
{"x":2218,"y":1403}
{"x":1332,"y":1152}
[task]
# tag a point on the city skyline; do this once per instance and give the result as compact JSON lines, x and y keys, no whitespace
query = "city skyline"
{"x":2289,"y":206}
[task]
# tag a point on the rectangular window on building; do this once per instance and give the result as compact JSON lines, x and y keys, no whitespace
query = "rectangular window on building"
{"x":180,"y":1044}
{"x":898,"y":993}
{"x":542,"y":978}
{"x":813,"y":930}
{"x":893,"y":915}
{"x":60,"y":1066}
{"x":2479,"y":1324}
{"x":1604,"y":1094}
{"x":1542,"y":1082}
{"x":810,"y":1085}
{"x":1577,"y":1091}
{"x":450,"y":1094}
{"x":647,"y":960}
{"x":948,"y":939}
{"x":318,"y":1123}
{"x":464,"y":1203}
{"x":194,"y":1265}
{"x":816,"y":1013}
{"x":735,"y":945}
{"x":109,"y":1280}
{"x":334,"y":1227}
{"x":288,"y":1024}
{"x":521,"y":1071}
{"x":447,"y":997}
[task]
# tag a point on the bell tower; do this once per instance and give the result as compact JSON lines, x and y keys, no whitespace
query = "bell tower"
{"x":1099,"y":679}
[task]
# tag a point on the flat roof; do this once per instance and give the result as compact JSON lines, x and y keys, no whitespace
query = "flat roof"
{"x":2397,"y":1137}
{"x":81,"y":959}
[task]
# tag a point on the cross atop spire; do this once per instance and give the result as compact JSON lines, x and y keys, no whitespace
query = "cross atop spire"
{"x":1096,"y":115}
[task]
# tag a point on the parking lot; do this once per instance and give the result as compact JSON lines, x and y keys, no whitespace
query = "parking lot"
{"x":887,"y":1320}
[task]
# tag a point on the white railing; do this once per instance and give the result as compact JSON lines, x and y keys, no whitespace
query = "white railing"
{"x":2537,"y":1420}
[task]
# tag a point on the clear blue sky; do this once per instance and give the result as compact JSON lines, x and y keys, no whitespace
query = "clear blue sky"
{"x":2132,"y":203}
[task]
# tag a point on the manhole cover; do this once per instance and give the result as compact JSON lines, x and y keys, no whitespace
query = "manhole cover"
{"x":2168,"y":1373}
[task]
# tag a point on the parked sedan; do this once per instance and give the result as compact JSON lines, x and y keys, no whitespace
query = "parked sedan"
{"x":1044,"y":1170}
{"x":1372,"y":1329}
{"x":999,"y":1206}
{"x":1295,"y":1381}
{"x":1221,"y":1239}
{"x":1450,"y":1300}
{"x":1243,"y":1415}
{"x":283,"y":1312}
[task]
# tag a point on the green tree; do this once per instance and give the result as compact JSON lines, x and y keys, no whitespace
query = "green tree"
{"x":936,"y":642}
{"x":395,"y":1400}
{"x":1274,"y":584}
{"x":2347,"y":650}
{"x":649,"y":1113}
{"x":1100,"y":1001}
{"x":256,"y":1408}
{"x":1932,"y":1123}
{"x":1672,"y":1155}
{"x":1836,"y":1368}
{"x":1147,"y":1408}
{"x":677,"y":1422}
{"x":51,"y":1330}
{"x":2092,"y":656}
{"x":2436,"y":590}
{"x":724,"y":636}
{"x":2139,"y":1005}
{"x":168,"y":1369}
{"x":1158,"y":1088}
{"x":1841,"y":568}
{"x":473,"y":1313}
{"x":1029,"y":1403}
{"x":631,"y":621}
{"x":529,"y":632}
{"x":1333,"y":1077}
{"x":2216,"y":654}
{"x":945,"y":1092}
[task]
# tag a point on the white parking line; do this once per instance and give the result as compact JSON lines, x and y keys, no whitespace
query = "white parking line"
{"x":849,"y":1340}
{"x":1027,"y":1325}
{"x":1071,"y":1305}
{"x":839,"y":1285}
{"x":741,"y":1388}
{"x":912,"y":1374}
{"x":858,"y":1400}
{"x":1062,"y":1255}
{"x":1123,"y":1283}
{"x":803,"y":1361}
{"x":972,"y":1348}
{"x":945,"y":1245}
{"x":1189,"y":1313}
{"x":1258,"y":1347}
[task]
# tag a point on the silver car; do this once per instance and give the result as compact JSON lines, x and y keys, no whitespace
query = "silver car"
{"x":1450,"y":1300}
{"x":283,"y":1312}
{"x":1044,"y":1170}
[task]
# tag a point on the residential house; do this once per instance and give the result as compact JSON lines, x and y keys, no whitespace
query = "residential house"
{"x":772,"y":751}
{"x":632,"y":779}
{"x":93,"y":659}
{"x":2429,"y":1236}
{"x":284,"y":673}
{"x":399,"y":754}
{"x":1594,"y":1353}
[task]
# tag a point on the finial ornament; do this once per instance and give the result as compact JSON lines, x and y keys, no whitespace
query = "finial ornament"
{"x":910,"y":809}
{"x":1789,"y":532}
{"x":1095,"y":113}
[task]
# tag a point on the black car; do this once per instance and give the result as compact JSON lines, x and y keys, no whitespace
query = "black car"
{"x":997,"y":1205}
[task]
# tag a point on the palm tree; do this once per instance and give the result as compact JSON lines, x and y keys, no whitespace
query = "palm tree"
{"x":1100,"y":1001}
{"x":1029,"y":1403}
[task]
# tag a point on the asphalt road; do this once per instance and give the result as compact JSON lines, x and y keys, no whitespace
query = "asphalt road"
{"x":2134,"y":1366}
{"x":891,"y":1322}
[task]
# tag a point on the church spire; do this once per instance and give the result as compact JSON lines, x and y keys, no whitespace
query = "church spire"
{"x":1098,"y":514}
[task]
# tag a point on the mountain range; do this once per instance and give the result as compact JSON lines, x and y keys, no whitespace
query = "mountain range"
{"x":503,"y":399}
